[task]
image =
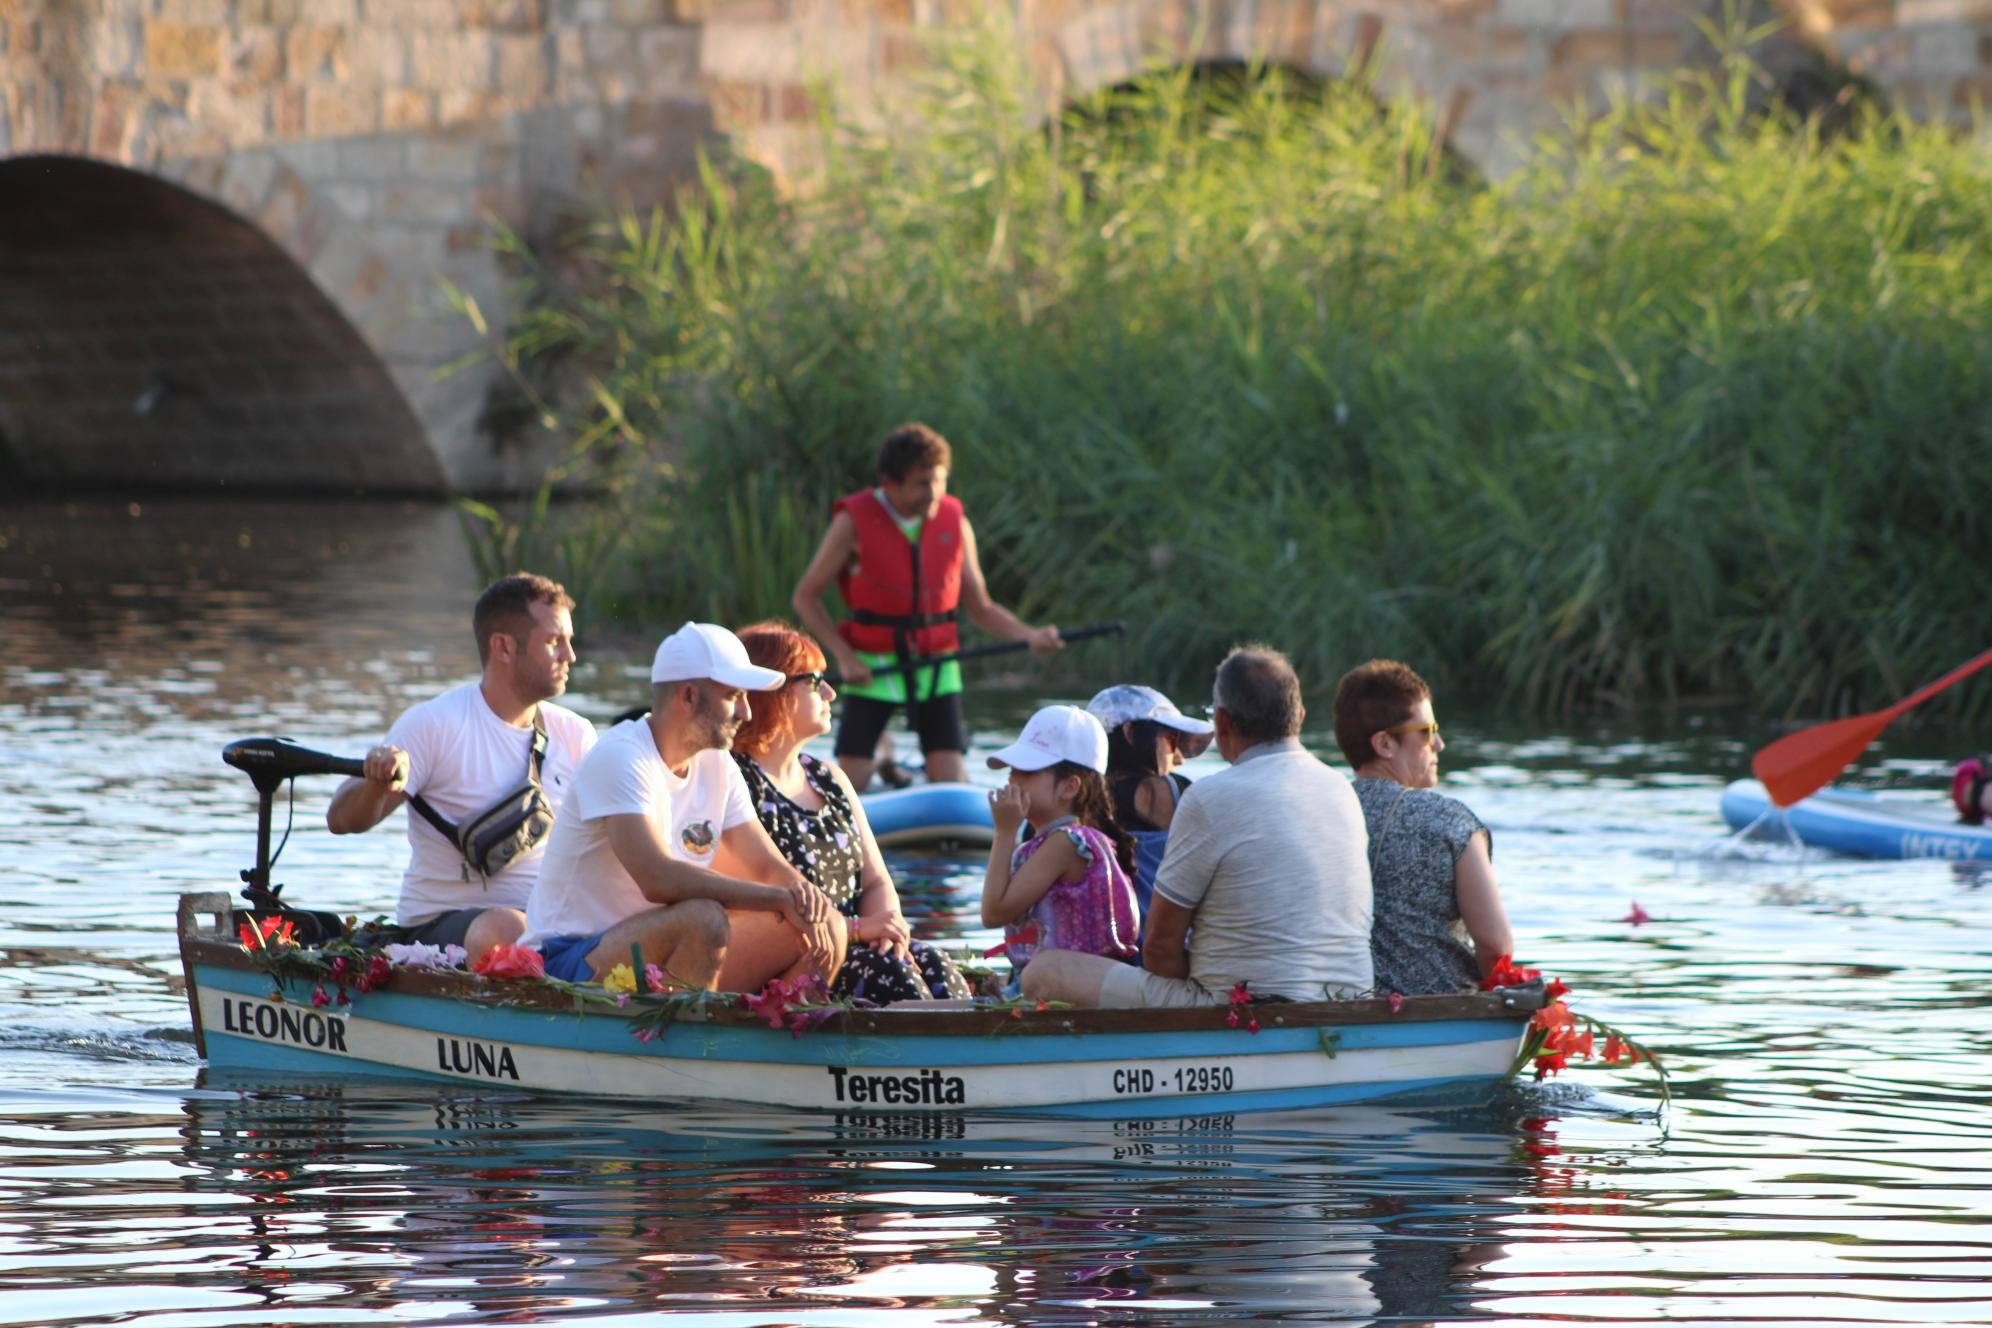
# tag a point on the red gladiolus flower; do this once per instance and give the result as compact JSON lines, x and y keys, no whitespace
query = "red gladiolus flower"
{"x":1396,"y":1002}
{"x":510,"y":962}
{"x":1557,"y":988}
{"x":1550,"y":1064}
{"x":320,"y":997}
{"x":1614,"y":1050}
{"x":1637,"y":916}
{"x":1507,"y":973}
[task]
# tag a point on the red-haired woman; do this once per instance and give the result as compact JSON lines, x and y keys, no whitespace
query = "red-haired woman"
{"x":815,"y":819}
{"x":1438,"y":922}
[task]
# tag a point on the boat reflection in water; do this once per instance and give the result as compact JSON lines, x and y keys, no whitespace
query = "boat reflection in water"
{"x":489,"y":1206}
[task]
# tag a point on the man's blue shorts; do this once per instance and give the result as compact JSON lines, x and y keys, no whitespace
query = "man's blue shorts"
{"x":566,"y":957}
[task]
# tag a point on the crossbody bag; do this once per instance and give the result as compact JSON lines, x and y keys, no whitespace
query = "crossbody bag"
{"x":509,"y":828}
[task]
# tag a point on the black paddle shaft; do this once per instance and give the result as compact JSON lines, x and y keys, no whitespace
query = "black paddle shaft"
{"x":974,"y":652}
{"x":995,"y":648}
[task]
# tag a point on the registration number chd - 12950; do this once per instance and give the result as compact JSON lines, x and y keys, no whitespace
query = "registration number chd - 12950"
{"x":1180,"y":1079}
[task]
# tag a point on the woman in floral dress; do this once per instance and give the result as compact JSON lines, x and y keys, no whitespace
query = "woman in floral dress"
{"x":816,"y":820}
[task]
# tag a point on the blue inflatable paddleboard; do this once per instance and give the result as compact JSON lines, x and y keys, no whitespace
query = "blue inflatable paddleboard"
{"x":930,"y":814}
{"x":1868,"y":825}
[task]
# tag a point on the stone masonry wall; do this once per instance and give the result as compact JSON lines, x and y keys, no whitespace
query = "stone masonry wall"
{"x":371,"y":140}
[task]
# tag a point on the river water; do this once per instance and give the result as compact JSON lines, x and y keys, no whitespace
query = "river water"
{"x":1827,"y":1156}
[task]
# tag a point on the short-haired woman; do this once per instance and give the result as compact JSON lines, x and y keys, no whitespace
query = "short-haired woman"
{"x":816,"y":820}
{"x":1439,"y":925}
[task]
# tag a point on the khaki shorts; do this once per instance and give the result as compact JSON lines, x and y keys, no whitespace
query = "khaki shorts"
{"x":1127,"y":987}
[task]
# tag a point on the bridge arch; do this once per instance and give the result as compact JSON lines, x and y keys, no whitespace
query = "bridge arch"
{"x":150,"y":336}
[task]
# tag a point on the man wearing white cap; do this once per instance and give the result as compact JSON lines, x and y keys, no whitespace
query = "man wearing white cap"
{"x":1266,"y":879}
{"x":660,"y":846}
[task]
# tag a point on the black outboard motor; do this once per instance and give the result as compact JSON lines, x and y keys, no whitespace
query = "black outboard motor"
{"x":269,"y":762}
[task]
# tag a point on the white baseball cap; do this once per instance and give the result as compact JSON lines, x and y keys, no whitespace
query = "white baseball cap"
{"x":703,"y":650}
{"x":1056,"y":733}
{"x":1119,"y":705}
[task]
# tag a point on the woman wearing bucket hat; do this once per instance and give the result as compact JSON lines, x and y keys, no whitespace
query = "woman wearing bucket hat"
{"x":1067,"y":886}
{"x":1147,"y":739}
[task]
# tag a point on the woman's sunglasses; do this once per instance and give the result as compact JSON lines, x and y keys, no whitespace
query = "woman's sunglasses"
{"x":819,"y":681}
{"x":1430,"y":730}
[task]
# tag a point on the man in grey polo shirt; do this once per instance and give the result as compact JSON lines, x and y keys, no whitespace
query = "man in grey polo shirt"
{"x":1266,"y":880}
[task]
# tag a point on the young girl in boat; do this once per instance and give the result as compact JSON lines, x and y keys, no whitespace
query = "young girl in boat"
{"x":1068,"y":886}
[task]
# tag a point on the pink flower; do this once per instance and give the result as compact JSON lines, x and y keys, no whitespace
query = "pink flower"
{"x":320,"y":997}
{"x":653,"y":978}
{"x":1637,"y":916}
{"x":1396,"y":1002}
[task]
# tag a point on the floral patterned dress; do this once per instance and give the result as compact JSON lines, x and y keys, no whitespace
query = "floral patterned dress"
{"x":824,"y":845}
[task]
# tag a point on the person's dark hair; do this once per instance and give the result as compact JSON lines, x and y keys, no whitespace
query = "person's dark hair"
{"x":1131,"y":748}
{"x":1259,"y":690}
{"x":507,"y":606}
{"x":1370,"y":698}
{"x":1095,"y":807}
{"x":909,"y":448}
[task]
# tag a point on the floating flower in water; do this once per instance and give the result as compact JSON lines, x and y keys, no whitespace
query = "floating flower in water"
{"x":1637,"y":916}
{"x":510,"y":961}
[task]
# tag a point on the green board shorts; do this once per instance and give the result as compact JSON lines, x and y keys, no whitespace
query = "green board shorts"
{"x":935,"y":713}
{"x":941,"y":680}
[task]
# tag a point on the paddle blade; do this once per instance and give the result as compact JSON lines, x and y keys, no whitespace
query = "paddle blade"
{"x":1800,"y":764}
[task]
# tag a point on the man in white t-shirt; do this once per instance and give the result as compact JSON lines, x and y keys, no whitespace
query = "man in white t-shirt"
{"x":466,"y":749}
{"x":660,"y":846}
{"x":1266,"y":878}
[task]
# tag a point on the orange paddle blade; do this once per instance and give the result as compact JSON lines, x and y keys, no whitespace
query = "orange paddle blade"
{"x":1800,"y":764}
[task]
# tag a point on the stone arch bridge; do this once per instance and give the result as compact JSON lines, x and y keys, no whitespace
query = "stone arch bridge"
{"x":225,"y":225}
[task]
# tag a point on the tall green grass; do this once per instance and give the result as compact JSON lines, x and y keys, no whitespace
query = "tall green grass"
{"x":1697,"y":405}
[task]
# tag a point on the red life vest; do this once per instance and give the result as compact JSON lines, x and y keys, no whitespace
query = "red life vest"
{"x":901,"y":593}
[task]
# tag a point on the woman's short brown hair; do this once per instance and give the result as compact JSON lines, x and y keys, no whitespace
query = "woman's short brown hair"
{"x":774,"y":645}
{"x":1370,"y":698}
{"x":908,"y":448}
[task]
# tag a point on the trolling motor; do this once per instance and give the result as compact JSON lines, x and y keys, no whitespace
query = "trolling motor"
{"x":269,"y":762}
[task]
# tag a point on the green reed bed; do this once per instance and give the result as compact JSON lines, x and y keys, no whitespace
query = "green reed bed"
{"x":1694,"y":406}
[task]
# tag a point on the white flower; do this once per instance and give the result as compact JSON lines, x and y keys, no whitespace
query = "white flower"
{"x":424,"y":956}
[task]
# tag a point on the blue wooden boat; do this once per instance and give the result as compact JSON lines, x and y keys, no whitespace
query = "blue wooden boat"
{"x":1869,"y":825}
{"x":456,"y":1026}
{"x":928,"y":814}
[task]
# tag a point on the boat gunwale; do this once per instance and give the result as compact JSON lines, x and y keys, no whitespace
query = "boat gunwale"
{"x":220,"y":949}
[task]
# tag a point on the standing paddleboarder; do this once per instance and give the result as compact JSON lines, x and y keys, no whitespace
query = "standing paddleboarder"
{"x":903,"y":557}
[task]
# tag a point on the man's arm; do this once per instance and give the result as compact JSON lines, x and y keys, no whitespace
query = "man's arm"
{"x":666,"y":880}
{"x":990,"y":616}
{"x":1165,"y":949}
{"x":362,"y":803}
{"x":840,"y":543}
